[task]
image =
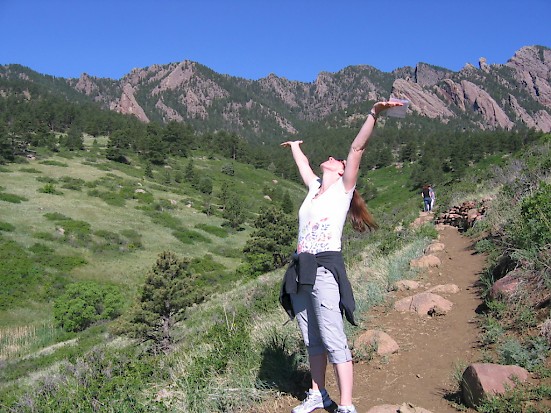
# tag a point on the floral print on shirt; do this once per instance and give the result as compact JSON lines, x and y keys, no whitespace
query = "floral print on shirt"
{"x":316,"y":237}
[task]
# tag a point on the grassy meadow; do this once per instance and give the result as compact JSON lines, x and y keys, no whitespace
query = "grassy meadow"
{"x":116,"y":221}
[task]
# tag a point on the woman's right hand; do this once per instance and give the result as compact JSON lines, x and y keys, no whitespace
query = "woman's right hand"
{"x":289,"y":143}
{"x":382,"y":106}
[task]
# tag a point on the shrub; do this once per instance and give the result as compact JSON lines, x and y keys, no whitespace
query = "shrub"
{"x":228,"y":169}
{"x":30,"y":170}
{"x":14,"y":199}
{"x":534,"y":227}
{"x":74,"y":184}
{"x":189,"y":237}
{"x":46,"y":180}
{"x":6,"y":226}
{"x":20,"y":277}
{"x":46,"y":256}
{"x":54,"y":163}
{"x":102,"y":377}
{"x":56,"y":216}
{"x":109,"y":197}
{"x":493,"y":331}
{"x":134,"y":238}
{"x":213,"y":230}
{"x":206,"y":264}
{"x":85,"y":303}
{"x":50,"y":189}
{"x":530,"y":355}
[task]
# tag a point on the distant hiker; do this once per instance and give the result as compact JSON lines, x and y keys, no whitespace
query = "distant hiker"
{"x":425,"y":193}
{"x":316,"y":288}
{"x":432,"y":195}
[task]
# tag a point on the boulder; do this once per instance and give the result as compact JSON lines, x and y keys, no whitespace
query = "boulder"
{"x":505,"y":287}
{"x":404,"y":285}
{"x":423,"y":304}
{"x":472,"y":215}
{"x":381,"y":341}
{"x":434,"y":247}
{"x":485,"y":380}
{"x":426,"y":261}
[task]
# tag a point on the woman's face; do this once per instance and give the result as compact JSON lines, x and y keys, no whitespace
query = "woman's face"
{"x":334,"y":164}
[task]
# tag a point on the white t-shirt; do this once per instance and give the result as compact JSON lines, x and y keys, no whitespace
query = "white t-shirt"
{"x":321,"y":220}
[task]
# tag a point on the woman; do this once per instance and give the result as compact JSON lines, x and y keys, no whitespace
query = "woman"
{"x":316,"y":289}
{"x":432,"y":195}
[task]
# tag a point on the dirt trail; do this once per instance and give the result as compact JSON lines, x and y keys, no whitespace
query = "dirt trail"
{"x":422,"y":371}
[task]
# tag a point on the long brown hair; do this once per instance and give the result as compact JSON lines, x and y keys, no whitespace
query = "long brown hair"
{"x":360,"y":217}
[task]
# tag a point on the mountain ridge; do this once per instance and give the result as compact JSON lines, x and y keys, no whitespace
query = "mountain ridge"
{"x":492,"y":96}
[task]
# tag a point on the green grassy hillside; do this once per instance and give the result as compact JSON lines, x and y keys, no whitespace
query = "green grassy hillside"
{"x":113,"y":221}
{"x":73,"y":217}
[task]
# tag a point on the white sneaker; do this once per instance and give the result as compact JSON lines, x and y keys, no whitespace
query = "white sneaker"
{"x":347,"y":409}
{"x":313,"y":401}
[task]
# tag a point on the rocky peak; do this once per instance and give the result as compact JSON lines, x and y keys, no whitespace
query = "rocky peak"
{"x":533,"y":59}
{"x":533,"y":67}
{"x":421,"y":100}
{"x":86,"y":84}
{"x":128,"y":104}
{"x":483,"y":65}
{"x":480,"y":101}
{"x":283,"y":88}
{"x":428,"y":75}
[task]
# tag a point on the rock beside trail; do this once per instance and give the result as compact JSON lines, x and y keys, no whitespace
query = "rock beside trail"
{"x":391,"y":408}
{"x":463,"y":216}
{"x":379,"y":340}
{"x":423,"y":304}
{"x":435,"y":247}
{"x":426,"y":261}
{"x":482,"y":380}
{"x":505,"y":287}
{"x":404,"y":285}
{"x":444,"y":289}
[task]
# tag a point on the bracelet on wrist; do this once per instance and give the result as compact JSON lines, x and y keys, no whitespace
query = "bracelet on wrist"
{"x":372,"y":113}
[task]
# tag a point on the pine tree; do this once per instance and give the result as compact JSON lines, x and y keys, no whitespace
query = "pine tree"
{"x":167,"y":292}
{"x":272,"y":242}
{"x":234,"y":211}
{"x":74,"y":140}
{"x":287,"y":203}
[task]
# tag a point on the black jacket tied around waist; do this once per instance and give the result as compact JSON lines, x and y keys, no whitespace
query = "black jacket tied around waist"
{"x":303,"y":269}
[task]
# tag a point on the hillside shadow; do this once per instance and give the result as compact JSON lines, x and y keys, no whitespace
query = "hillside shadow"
{"x":282,"y":369}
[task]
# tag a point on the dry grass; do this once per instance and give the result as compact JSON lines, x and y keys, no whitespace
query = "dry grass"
{"x":18,"y":340}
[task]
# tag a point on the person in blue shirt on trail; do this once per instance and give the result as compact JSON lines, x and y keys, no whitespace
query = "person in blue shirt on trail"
{"x":316,"y":289}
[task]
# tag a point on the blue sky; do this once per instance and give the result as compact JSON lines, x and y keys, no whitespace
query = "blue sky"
{"x":252,"y":38}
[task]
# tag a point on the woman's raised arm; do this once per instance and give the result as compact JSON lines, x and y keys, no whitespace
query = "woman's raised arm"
{"x":306,"y":172}
{"x":359,"y":144}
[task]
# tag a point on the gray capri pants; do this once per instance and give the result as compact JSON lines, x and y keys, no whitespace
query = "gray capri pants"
{"x":319,"y":318}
